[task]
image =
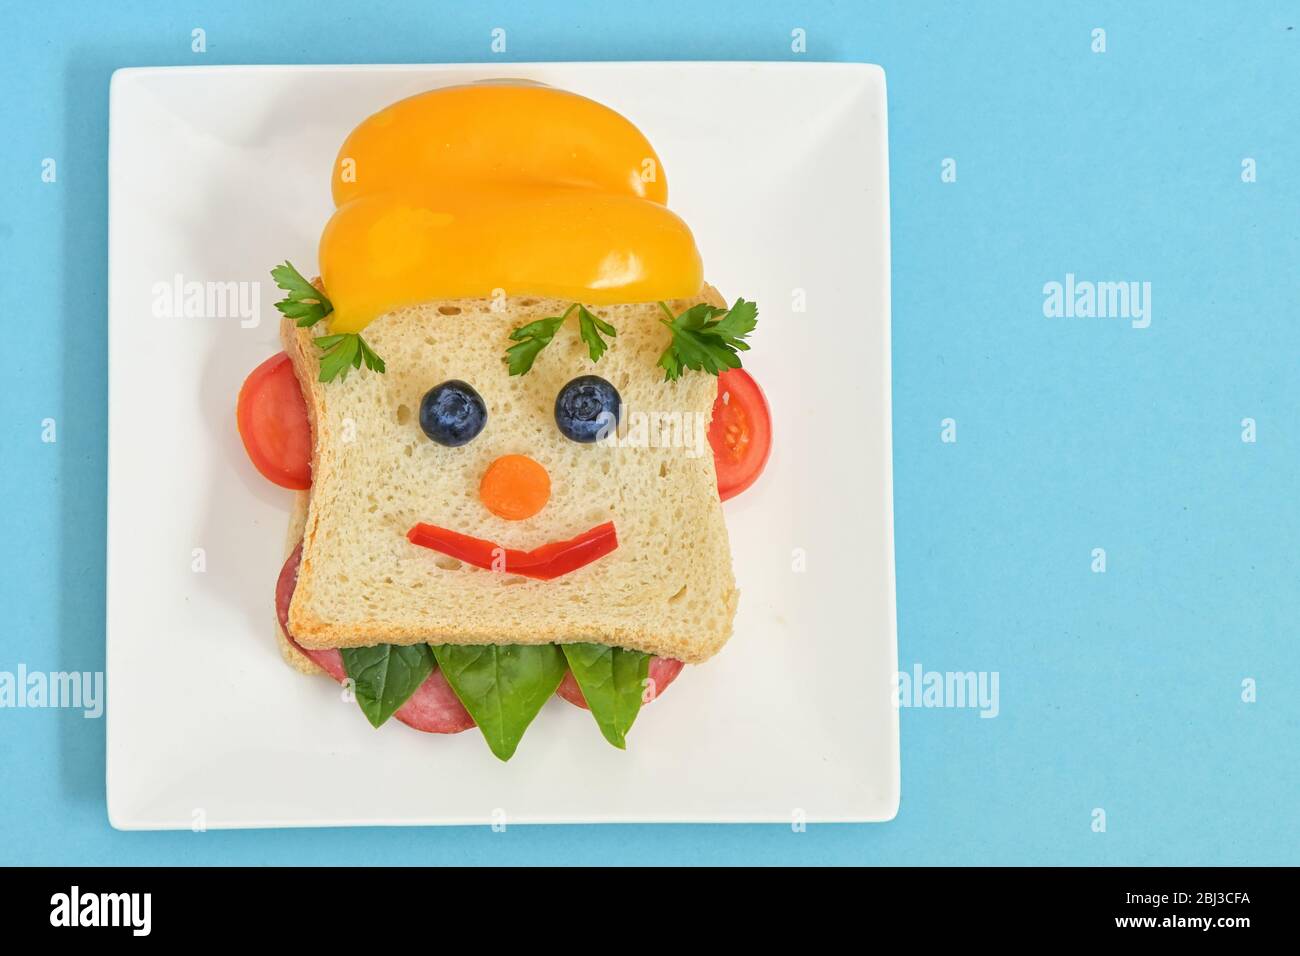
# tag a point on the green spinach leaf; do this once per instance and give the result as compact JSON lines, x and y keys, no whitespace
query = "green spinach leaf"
{"x":386,"y":675}
{"x":502,"y":687}
{"x":612,"y":680}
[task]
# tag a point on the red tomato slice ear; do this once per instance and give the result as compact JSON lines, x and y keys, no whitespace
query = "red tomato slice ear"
{"x":741,"y":432}
{"x":272,"y":419}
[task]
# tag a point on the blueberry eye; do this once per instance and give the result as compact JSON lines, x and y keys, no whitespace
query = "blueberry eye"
{"x":452,"y":413}
{"x":587,"y":408}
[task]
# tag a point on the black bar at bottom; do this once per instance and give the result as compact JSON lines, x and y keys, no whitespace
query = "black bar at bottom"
{"x":353,"y":903}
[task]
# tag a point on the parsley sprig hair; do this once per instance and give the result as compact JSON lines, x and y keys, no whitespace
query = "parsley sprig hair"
{"x":345,"y":351}
{"x":707,"y":338}
{"x":530,"y":339}
{"x":307,"y":305}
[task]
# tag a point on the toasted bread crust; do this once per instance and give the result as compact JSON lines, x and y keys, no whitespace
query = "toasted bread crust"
{"x":292,"y":656}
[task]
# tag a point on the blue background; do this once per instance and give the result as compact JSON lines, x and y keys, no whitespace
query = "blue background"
{"x":1119,"y":690}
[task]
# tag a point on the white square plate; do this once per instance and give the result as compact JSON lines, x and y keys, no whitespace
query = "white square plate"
{"x":216,"y":175}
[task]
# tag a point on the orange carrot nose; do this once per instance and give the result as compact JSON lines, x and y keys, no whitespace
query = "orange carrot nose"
{"x":515,"y":487}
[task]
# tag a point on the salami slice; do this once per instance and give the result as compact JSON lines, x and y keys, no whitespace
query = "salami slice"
{"x":663,"y":671}
{"x":434,"y":707}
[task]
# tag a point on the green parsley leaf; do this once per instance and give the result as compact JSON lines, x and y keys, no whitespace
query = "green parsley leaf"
{"x":372,"y":360}
{"x":707,"y":338}
{"x":590,"y":326}
{"x":305,"y":304}
{"x":531,"y":339}
{"x":347,"y":350}
{"x":740,"y":320}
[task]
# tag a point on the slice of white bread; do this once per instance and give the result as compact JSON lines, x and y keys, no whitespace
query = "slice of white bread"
{"x":297,"y":521}
{"x":667,"y":589}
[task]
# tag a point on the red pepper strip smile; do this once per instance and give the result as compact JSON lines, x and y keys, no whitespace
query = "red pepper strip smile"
{"x":546,"y":563}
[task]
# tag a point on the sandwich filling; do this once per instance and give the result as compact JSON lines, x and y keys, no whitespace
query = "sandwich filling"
{"x":434,"y":707}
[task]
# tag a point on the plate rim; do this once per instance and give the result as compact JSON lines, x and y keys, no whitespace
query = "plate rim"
{"x":872,"y":72}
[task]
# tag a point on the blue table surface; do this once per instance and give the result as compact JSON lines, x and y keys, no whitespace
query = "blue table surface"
{"x":1126,"y":692}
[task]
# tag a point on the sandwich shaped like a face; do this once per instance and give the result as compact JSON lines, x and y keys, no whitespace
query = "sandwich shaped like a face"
{"x":491,"y":456}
